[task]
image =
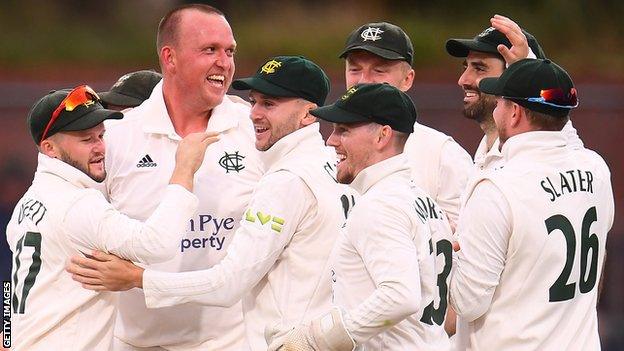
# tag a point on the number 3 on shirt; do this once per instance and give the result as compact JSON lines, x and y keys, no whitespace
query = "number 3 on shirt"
{"x":34,"y":240}
{"x":561,"y":290}
{"x":432,"y":314}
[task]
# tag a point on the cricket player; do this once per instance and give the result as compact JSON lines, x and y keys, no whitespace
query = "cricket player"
{"x":61,"y":215}
{"x":383,"y":259}
{"x":487,"y":55}
{"x":196,"y":52}
{"x":278,"y":261}
{"x":533,"y":233}
{"x":383,"y":53}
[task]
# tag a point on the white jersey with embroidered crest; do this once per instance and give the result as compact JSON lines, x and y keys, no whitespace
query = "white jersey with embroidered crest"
{"x":532,"y":248}
{"x":140,"y":157}
{"x":278,"y":263}
{"x":383,"y":262}
{"x":60,"y":217}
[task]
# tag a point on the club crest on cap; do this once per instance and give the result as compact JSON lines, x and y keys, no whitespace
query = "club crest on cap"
{"x":371,"y":33}
{"x":270,"y":67}
{"x":348,"y":94}
{"x":486,"y":32}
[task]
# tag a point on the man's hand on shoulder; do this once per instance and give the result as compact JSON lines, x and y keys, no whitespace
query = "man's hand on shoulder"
{"x":105,"y":272}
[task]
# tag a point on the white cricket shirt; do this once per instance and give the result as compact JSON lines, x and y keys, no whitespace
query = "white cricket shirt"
{"x":532,"y":240}
{"x":279,"y":260}
{"x":140,"y":158}
{"x":59,"y":217}
{"x":485,"y":159}
{"x":440,"y":166}
{"x":383,"y":261}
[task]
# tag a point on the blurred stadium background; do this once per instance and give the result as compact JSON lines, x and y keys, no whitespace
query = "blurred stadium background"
{"x":56,"y":44}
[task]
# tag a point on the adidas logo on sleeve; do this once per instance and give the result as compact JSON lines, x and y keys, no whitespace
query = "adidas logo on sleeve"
{"x":146,"y":161}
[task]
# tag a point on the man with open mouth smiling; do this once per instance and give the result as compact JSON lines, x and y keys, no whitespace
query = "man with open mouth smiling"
{"x":384,"y":267}
{"x":278,"y":262}
{"x":196,"y":47}
{"x":485,"y":56}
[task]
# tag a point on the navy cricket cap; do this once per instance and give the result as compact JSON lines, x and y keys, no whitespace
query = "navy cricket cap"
{"x":536,"y":84}
{"x":488,"y":41}
{"x":382,"y":39}
{"x":378,"y":103}
{"x":288,"y":76}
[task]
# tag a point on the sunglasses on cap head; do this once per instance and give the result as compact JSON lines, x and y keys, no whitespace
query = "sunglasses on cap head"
{"x":81,"y":95}
{"x":555,"y":97}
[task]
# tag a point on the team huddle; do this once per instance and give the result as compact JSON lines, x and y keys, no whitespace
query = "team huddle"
{"x":232,"y":225}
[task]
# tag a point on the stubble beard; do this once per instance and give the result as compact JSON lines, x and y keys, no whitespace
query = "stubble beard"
{"x":481,"y":111}
{"x":65,"y":157}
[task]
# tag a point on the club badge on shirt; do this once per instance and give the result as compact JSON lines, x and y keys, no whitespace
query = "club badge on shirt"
{"x":232,"y":162}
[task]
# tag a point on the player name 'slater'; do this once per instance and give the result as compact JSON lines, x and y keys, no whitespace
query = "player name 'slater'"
{"x":569,"y":182}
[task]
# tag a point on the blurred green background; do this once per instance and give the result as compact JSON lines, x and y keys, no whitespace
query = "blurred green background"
{"x":583,"y":36}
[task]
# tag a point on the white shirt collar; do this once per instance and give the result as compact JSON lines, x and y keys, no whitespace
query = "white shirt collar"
{"x":529,"y":142}
{"x":371,"y":175}
{"x":308,"y":135}
{"x":156,"y":119}
{"x":64,"y":171}
{"x":484,"y":156}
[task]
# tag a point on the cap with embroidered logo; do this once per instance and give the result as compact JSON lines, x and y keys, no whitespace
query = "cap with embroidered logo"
{"x":382,"y":39}
{"x":288,"y":76}
{"x":378,"y":103}
{"x":488,"y":41}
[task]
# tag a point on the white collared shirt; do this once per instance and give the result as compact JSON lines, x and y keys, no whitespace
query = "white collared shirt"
{"x":59,"y":217}
{"x":492,"y":158}
{"x":278,"y":260}
{"x":521,"y":226}
{"x":383,"y":263}
{"x":140,"y":158}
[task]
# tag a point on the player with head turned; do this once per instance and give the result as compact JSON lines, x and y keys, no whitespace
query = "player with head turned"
{"x":383,"y":261}
{"x":487,"y":55}
{"x":532,"y":233}
{"x":61,"y":215}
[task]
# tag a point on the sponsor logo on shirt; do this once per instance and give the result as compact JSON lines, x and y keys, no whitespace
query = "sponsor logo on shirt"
{"x":146,"y":161}
{"x":213,"y":227}
{"x":276,"y":223}
{"x":232,"y":162}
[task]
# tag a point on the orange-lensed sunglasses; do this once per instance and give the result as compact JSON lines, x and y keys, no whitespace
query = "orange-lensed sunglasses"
{"x":81,"y":95}
{"x":554,"y":97}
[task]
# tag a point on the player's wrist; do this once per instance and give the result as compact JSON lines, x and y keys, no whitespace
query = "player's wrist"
{"x":138,"y":277}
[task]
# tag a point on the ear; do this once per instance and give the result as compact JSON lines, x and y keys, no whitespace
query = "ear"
{"x":518,"y":115}
{"x":167,"y":58}
{"x":308,"y":118}
{"x":49,"y":148}
{"x":383,"y":137}
{"x":407,"y":82}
